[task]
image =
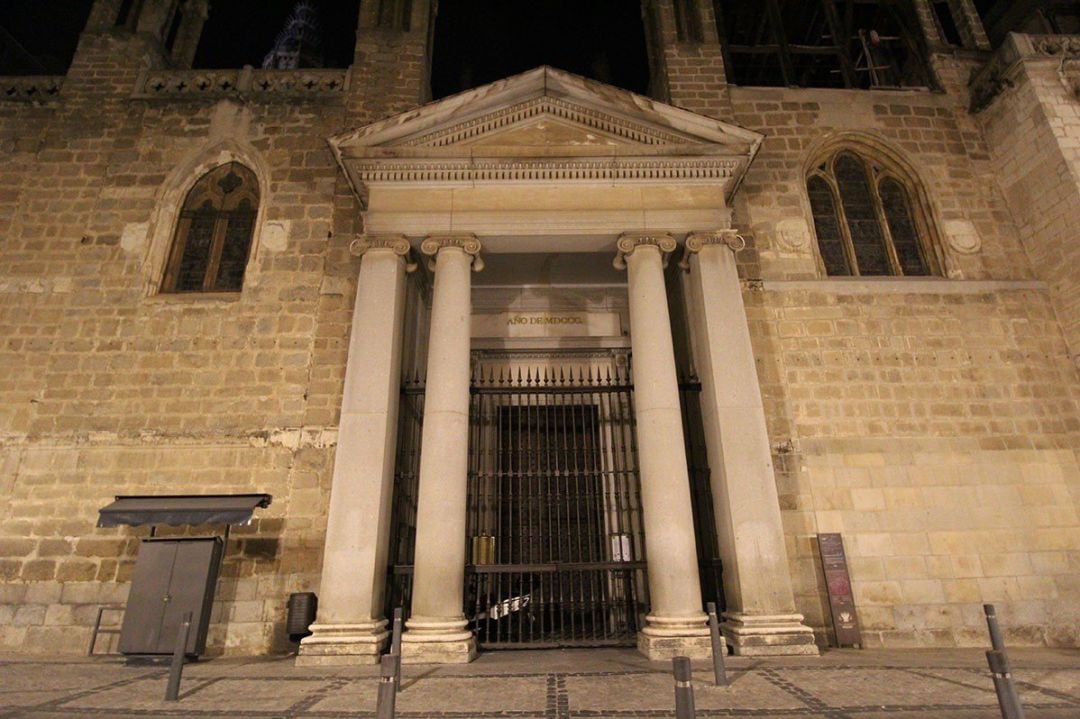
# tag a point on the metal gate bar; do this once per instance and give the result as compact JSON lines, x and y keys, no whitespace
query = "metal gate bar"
{"x":554,"y":515}
{"x":710,"y":569}
{"x":406,"y":491}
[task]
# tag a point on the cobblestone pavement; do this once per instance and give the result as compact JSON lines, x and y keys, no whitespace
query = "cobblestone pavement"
{"x":853,"y":684}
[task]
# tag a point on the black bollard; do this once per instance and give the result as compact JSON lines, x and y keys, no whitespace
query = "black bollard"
{"x":1008,"y":699}
{"x":172,"y":689}
{"x":718,"y":648}
{"x":395,"y":645}
{"x":684,"y":688}
{"x":384,"y":708}
{"x":996,"y":641}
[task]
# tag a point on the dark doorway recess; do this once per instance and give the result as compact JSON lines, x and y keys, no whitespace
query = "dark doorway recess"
{"x":480,"y":41}
{"x":242,"y":32}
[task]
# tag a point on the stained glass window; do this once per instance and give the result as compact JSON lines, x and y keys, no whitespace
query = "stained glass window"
{"x":830,"y":240}
{"x":864,"y":219}
{"x":213,"y":235}
{"x":902,"y":227}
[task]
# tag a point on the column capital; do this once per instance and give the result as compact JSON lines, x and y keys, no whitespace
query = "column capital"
{"x":398,"y":244}
{"x":697,"y":241}
{"x":630,"y":241}
{"x":465,"y":241}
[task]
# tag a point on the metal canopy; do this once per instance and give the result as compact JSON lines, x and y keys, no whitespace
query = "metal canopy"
{"x":182,"y":509}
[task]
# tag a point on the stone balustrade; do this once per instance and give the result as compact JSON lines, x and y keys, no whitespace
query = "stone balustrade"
{"x":247,"y":82}
{"x":30,"y":88}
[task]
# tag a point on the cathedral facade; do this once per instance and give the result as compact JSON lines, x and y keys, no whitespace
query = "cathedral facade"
{"x":547,"y":362}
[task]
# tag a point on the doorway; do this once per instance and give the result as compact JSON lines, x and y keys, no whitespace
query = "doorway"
{"x":554,"y":513}
{"x":554,"y":533}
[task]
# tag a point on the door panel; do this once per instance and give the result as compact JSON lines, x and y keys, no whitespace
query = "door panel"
{"x":140,"y":632}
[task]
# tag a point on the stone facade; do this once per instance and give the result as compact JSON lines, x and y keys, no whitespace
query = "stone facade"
{"x":933,"y":421}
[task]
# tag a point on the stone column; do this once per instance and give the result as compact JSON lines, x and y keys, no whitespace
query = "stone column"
{"x":761,"y":616}
{"x":350,"y":628}
{"x":676,"y":624}
{"x":155,"y":17}
{"x":437,"y":630}
{"x":194,"y":13}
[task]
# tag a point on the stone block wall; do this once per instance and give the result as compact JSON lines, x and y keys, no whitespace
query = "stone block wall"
{"x":1033,"y":128}
{"x":108,"y":387}
{"x":925,"y":131}
{"x":935,"y":429}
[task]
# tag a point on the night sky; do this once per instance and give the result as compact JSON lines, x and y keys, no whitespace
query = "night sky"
{"x":479,"y":41}
{"x":476,"y":41}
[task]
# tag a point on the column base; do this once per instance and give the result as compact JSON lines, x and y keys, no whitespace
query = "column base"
{"x":437,"y":641}
{"x":343,"y":644}
{"x":666,"y":637}
{"x":768,"y":635}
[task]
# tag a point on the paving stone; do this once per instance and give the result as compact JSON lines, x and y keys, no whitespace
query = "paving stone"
{"x":618,"y":684}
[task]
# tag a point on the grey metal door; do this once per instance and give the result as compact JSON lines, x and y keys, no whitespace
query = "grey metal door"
{"x":171,"y":577}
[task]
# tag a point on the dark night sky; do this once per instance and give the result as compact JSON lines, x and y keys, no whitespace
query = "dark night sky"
{"x":479,"y":41}
{"x":46,"y":29}
{"x":476,"y":41}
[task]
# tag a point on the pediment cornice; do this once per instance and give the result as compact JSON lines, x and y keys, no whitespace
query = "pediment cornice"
{"x":539,"y":108}
{"x":543,"y":126}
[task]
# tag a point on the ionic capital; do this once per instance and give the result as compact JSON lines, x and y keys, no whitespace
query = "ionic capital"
{"x":630,"y":241}
{"x":397,"y":244}
{"x":467,"y":242}
{"x":697,"y":241}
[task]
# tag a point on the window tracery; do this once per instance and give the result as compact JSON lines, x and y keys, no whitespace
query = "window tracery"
{"x":214,"y":231}
{"x":866,"y":220}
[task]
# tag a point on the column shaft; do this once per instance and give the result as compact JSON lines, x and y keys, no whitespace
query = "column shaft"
{"x":437,"y":628}
{"x":761,"y":616}
{"x":350,"y":626}
{"x":675,"y":624}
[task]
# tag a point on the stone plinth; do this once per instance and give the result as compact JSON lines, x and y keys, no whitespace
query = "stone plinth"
{"x":768,"y":635}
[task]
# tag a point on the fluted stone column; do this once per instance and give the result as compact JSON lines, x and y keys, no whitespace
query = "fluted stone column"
{"x":761,"y":616}
{"x":436,"y":631}
{"x":350,"y":627}
{"x":676,"y":624}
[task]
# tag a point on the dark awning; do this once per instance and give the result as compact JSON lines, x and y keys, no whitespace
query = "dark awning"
{"x":182,"y":509}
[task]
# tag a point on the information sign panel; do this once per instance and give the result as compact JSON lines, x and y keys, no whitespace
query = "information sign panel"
{"x":841,"y":600}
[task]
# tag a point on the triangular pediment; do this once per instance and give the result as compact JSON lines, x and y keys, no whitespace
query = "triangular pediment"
{"x":547,"y":130}
{"x":546,"y":121}
{"x":546,"y":125}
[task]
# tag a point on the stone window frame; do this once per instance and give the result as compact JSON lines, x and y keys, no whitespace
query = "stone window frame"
{"x":224,"y":208}
{"x":879,"y":165}
{"x":170,"y":200}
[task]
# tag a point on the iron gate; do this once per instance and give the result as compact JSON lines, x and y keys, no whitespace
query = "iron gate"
{"x":554,"y":515}
{"x":555,"y":539}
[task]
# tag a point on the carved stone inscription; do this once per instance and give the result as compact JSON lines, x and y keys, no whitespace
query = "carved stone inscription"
{"x":547,"y":324}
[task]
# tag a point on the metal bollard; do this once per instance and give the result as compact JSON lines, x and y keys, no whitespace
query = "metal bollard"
{"x":395,"y":644}
{"x":718,"y":648}
{"x":384,"y":708}
{"x":996,"y":641}
{"x":684,"y":688}
{"x":1008,"y":699}
{"x":172,"y":689}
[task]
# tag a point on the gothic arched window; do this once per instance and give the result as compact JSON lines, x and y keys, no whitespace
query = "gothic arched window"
{"x":866,"y":220}
{"x":213,"y":235}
